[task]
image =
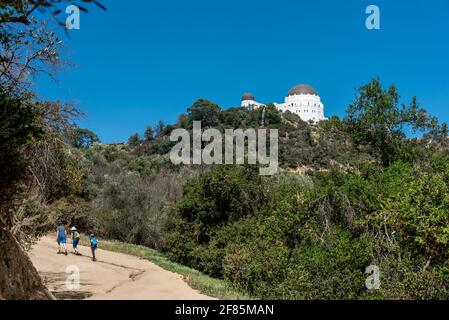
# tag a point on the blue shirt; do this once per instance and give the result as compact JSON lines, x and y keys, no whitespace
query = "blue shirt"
{"x":93,"y":241}
{"x":61,"y":231}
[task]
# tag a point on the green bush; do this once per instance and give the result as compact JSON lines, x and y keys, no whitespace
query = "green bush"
{"x":74,"y":212}
{"x":293,"y":237}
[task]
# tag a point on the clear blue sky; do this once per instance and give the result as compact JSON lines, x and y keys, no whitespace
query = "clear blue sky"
{"x":145,"y":61}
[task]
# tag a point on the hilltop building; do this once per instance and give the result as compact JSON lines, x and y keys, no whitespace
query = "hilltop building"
{"x":302,"y":100}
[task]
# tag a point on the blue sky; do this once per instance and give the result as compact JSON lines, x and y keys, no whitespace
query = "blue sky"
{"x":145,"y":61}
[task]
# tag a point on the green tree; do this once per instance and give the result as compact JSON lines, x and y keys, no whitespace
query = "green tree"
{"x":84,"y":138}
{"x":419,"y":214}
{"x":377,"y":118}
{"x":18,"y":126}
{"x":149,"y":134}
{"x":160,"y":128}
{"x":438,"y":133}
{"x":134,"y":140}
{"x":272,"y":115}
{"x":205,"y":111}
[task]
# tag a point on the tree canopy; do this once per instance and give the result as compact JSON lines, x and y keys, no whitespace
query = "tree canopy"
{"x":377,"y":118}
{"x":84,"y":138}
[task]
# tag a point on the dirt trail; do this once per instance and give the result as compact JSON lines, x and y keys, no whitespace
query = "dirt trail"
{"x":115,"y":276}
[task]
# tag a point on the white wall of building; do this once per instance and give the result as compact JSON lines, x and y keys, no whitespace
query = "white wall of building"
{"x":251,"y":104}
{"x":307,"y":106}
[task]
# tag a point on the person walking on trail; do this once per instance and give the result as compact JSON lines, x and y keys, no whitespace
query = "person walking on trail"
{"x":93,"y":246}
{"x":75,"y":240}
{"x":61,"y":239}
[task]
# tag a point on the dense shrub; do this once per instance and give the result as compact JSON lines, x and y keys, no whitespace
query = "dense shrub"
{"x":291,"y":238}
{"x":134,"y":208}
{"x":74,"y":212}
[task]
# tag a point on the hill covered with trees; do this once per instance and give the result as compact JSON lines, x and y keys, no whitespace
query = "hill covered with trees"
{"x":351,"y":193}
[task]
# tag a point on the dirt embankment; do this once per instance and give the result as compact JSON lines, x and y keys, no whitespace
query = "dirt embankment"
{"x":19,"y":279}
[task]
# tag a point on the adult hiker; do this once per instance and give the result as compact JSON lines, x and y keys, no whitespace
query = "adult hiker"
{"x":93,"y":246}
{"x":61,"y":239}
{"x":75,"y":240}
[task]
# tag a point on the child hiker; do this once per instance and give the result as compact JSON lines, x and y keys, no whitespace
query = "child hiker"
{"x":75,"y":240}
{"x":93,"y":246}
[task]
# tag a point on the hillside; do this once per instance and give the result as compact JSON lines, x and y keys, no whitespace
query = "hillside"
{"x":350,"y":194}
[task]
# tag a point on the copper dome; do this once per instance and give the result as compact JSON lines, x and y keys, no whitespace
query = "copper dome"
{"x":302,"y":89}
{"x":248,"y":96}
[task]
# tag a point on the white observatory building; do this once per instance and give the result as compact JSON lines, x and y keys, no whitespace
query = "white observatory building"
{"x":302,"y":100}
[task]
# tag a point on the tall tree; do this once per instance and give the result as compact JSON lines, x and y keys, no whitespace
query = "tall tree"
{"x":149,"y":134}
{"x":377,"y":118}
{"x":134,"y":140}
{"x":160,"y":128}
{"x":205,"y":111}
{"x":84,"y":138}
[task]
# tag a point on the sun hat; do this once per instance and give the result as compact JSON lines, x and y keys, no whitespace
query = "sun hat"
{"x":73,"y":229}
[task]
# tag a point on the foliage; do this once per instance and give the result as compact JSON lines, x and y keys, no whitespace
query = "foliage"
{"x":133,"y":208}
{"x":19,"y":124}
{"x":205,"y":111}
{"x":149,"y":134}
{"x":31,"y":220}
{"x":73,"y":212}
{"x":316,"y":241}
{"x":84,"y":138}
{"x":377,"y":118}
{"x":134,"y":140}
